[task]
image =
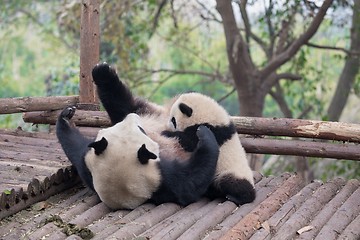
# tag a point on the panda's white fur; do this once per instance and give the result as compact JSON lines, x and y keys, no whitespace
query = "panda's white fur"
{"x":205,"y":110}
{"x":120,"y":180}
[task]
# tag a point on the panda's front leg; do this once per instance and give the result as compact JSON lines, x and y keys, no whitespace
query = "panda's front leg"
{"x":115,"y":96}
{"x":74,"y":144}
{"x":196,"y":175}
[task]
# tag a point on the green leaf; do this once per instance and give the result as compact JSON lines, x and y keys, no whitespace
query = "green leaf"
{"x":7,"y":192}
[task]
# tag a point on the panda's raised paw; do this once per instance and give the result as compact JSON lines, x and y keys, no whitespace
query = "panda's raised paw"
{"x":68,"y":112}
{"x":204,"y":132}
{"x":103,"y":73}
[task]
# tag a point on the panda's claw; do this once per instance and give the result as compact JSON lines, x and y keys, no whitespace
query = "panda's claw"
{"x":68,"y":112}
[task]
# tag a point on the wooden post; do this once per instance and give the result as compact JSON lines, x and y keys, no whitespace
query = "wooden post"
{"x":89,"y":52}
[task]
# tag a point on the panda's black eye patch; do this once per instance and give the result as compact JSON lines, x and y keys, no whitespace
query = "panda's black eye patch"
{"x":142,"y":130}
{"x":173,"y":120}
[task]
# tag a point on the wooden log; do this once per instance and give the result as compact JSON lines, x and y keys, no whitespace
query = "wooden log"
{"x":30,"y":104}
{"x":146,"y":221}
{"x":264,"y":188}
{"x":329,"y":209}
{"x":309,"y":209}
{"x":284,"y":213}
{"x":252,"y":145}
{"x":118,"y":222}
{"x":347,"y":151}
{"x":298,"y":128}
{"x":81,"y":118}
{"x":352,"y":230}
{"x":338,"y":131}
{"x":341,"y":218}
{"x":175,"y":225}
{"x":89,"y":48}
{"x":249,"y":223}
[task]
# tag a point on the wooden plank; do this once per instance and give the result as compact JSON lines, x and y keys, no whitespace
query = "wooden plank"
{"x":250,"y":223}
{"x":341,"y":218}
{"x":309,"y":209}
{"x":273,"y":224}
{"x":263,"y":189}
{"x":329,"y":209}
{"x":352,"y":230}
{"x":30,"y":104}
{"x":347,"y":151}
{"x":339,"y":131}
{"x":174,"y":226}
{"x":119,"y":222}
{"x":146,"y":221}
{"x":81,"y":118}
{"x":89,"y":48}
{"x":58,"y":203}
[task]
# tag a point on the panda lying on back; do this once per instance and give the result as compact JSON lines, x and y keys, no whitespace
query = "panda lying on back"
{"x":234,"y":178}
{"x":123,"y":166}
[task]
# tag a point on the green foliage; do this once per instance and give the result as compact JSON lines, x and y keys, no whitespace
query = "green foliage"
{"x":39,"y":54}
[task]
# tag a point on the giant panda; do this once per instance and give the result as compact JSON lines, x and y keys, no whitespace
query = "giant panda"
{"x":234,"y":177}
{"x":123,"y":166}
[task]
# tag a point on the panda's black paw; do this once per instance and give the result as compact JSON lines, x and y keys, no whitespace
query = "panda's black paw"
{"x":203,"y":132}
{"x":103,"y":73}
{"x":233,"y":199}
{"x":68,"y":113}
{"x":205,"y":135}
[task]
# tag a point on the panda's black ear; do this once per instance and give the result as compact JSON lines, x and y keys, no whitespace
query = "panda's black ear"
{"x":144,"y":155}
{"x":99,"y":146}
{"x":185,"y":109}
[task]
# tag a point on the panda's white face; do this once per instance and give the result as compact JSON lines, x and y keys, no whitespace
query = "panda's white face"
{"x":195,"y":108}
{"x":122,"y":176}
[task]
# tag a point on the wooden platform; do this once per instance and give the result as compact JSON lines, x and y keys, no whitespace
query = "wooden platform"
{"x":34,"y":168}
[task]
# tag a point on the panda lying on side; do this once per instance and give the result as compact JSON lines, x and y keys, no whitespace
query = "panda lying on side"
{"x":123,"y":166}
{"x":234,"y":178}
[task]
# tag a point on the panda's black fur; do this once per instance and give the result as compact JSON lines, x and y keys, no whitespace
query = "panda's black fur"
{"x":182,"y":182}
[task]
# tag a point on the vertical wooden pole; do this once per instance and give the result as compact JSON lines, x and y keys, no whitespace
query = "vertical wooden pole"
{"x":89,"y":51}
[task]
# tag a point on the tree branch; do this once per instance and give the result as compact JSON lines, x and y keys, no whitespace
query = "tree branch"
{"x":278,"y":96}
{"x":283,"y":57}
{"x":157,"y":15}
{"x":213,"y":17}
{"x":248,"y":32}
{"x":329,"y":48}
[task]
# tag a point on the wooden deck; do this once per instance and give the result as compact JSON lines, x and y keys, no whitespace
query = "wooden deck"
{"x":35,"y":172}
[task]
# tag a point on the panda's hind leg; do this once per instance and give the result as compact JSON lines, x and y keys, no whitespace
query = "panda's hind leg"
{"x":237,"y":190}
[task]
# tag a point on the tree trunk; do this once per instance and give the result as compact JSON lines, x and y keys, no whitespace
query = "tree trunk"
{"x":350,"y":69}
